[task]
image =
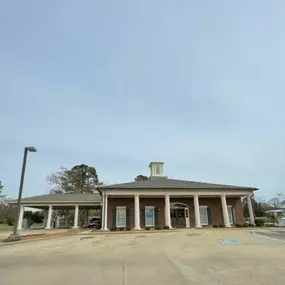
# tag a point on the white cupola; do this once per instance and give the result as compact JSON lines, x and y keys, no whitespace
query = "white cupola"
{"x":156,"y":169}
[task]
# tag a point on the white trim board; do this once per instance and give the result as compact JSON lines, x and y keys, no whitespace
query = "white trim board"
{"x":176,"y":193}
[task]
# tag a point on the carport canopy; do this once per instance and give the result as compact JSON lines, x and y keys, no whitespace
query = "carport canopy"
{"x":49,"y":202}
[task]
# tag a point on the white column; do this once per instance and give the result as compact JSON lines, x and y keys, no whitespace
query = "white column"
{"x":197,"y":212}
{"x":225,"y":211}
{"x":137,"y":213}
{"x":57,"y":221}
{"x":48,"y":225}
{"x":87,"y":217}
{"x":75,"y":226}
{"x":45,"y":218}
{"x":21,"y":215}
{"x":250,"y":210}
{"x":103,"y":213}
{"x":106,"y":213}
{"x":167,"y":211}
{"x":66,"y":219}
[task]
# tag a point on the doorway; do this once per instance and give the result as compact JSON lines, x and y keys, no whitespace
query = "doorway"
{"x":179,"y":214}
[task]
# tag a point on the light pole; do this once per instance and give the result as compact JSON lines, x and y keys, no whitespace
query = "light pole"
{"x":27,"y":149}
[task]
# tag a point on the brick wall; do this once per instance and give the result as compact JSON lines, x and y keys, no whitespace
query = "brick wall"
{"x":213,"y":203}
{"x":237,"y":205}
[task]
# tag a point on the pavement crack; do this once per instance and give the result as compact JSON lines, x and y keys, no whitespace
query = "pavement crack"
{"x":124,"y":275}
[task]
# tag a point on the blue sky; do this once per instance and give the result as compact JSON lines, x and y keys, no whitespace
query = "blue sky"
{"x":116,"y":84}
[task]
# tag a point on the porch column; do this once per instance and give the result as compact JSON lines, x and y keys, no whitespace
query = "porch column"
{"x":167,"y":211}
{"x":75,"y":226}
{"x":137,"y":213}
{"x":21,"y":215}
{"x":103,"y":213}
{"x":48,"y":225}
{"x":197,"y":211}
{"x":225,"y":211}
{"x":57,"y":224}
{"x":106,"y":213}
{"x":250,"y":210}
{"x":66,"y":219}
{"x":45,"y":218}
{"x":87,"y":217}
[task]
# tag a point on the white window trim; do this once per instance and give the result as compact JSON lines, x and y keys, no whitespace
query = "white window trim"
{"x":204,"y":224}
{"x":231,"y":210}
{"x":145,"y":218}
{"x":121,"y":208}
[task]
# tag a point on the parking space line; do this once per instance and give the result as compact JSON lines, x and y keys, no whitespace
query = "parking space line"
{"x":266,"y":236}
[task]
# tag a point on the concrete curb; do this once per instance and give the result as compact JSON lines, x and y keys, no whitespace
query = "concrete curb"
{"x":41,"y":237}
{"x":128,"y":232}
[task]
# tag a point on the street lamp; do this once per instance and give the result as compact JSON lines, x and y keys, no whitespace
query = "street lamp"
{"x":14,"y":236}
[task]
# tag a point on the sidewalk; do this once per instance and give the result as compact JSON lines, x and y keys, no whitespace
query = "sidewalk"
{"x":28,"y":235}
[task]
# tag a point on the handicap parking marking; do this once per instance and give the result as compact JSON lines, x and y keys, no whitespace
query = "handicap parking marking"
{"x":228,"y":241}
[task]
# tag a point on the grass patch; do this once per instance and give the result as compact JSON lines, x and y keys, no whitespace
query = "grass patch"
{"x":4,"y":227}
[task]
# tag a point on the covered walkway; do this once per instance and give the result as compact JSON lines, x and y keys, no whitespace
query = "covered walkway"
{"x":63,"y":210}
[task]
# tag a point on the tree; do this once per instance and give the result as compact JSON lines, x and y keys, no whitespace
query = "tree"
{"x":141,"y":177}
{"x":278,"y":201}
{"x":2,"y":195}
{"x":79,"y":179}
{"x":35,"y":217}
{"x":259,"y":205}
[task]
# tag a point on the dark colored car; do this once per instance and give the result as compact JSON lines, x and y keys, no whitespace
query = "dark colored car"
{"x":95,"y":223}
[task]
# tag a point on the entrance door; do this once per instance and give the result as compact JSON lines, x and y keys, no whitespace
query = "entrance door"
{"x":179,"y":214}
{"x":178,"y":218}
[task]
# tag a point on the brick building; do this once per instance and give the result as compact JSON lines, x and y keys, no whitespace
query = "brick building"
{"x":155,"y":202}
{"x":163,"y":202}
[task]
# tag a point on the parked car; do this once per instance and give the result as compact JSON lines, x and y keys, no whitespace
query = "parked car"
{"x":95,"y":223}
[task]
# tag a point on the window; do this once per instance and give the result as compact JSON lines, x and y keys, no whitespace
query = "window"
{"x":149,"y":216}
{"x":157,"y":170}
{"x":203,"y":215}
{"x":230,"y":214}
{"x":120,"y":216}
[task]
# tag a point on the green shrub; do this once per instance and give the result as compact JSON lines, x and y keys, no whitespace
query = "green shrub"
{"x":128,"y":229}
{"x":113,"y":229}
{"x":121,"y":229}
{"x":147,"y":229}
{"x":10,"y":221}
{"x":158,"y":228}
{"x":239,"y":225}
{"x":222,"y":226}
{"x":166,"y":227}
{"x":259,"y":223}
{"x":245,"y":225}
{"x":251,"y":225}
{"x":216,"y":226}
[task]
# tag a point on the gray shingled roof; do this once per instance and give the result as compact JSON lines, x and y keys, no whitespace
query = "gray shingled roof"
{"x":62,"y":198}
{"x":164,"y":183}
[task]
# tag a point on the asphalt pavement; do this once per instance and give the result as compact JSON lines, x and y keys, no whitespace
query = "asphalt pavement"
{"x":274,"y":234}
{"x":217,"y":256}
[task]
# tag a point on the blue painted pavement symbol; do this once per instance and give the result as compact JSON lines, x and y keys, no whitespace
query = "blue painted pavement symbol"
{"x":228,"y":241}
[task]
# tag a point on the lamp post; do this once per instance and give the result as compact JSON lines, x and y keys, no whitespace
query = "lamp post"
{"x":27,"y":149}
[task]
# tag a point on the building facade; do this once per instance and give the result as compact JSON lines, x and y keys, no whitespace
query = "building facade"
{"x":156,"y":202}
{"x":162,"y":202}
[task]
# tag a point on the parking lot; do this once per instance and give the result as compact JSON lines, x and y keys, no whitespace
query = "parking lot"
{"x":218,"y":256}
{"x":273,"y":234}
